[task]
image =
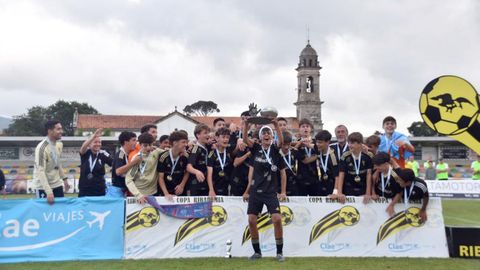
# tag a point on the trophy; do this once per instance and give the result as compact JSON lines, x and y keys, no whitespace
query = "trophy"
{"x":267,"y":114}
{"x":228,"y":249}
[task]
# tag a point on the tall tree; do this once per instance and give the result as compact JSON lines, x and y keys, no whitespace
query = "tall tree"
{"x":419,"y":129}
{"x":63,"y":111}
{"x":201,"y":108}
{"x":31,"y":123}
{"x":28,"y":124}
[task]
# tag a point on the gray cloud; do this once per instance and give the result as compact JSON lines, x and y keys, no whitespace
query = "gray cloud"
{"x":145,"y":57}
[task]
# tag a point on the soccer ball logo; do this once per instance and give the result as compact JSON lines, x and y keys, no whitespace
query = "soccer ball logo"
{"x":287,"y":215}
{"x":219,"y":216}
{"x":148,"y":217}
{"x":349,"y":215}
{"x":449,"y":105}
{"x":412,"y":218}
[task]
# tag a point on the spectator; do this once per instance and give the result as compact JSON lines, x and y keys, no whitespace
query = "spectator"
{"x":164,"y":142}
{"x":413,"y":165}
{"x":475,"y":169}
{"x":442,"y":170}
{"x":430,"y":173}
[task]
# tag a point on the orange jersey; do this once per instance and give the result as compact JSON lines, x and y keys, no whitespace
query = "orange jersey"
{"x":134,"y":152}
{"x":401,"y":160}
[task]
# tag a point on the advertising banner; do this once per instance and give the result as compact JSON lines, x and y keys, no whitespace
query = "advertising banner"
{"x":461,"y":189}
{"x":70,"y":229}
{"x":313,"y":226}
{"x":464,"y":242}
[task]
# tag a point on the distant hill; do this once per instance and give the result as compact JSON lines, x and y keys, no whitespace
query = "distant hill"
{"x":4,"y":122}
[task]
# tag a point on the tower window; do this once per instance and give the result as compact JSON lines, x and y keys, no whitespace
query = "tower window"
{"x":309,"y":84}
{"x":310,"y":62}
{"x":304,"y":62}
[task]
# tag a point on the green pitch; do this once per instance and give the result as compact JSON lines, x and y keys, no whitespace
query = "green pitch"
{"x":263,"y":264}
{"x":456,"y":213}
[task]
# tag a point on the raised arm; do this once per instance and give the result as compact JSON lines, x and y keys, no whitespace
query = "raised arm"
{"x":278,"y":131}
{"x":89,"y":141}
{"x":245,"y":138}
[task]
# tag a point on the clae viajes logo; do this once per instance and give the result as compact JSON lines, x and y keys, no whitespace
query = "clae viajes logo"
{"x":198,"y":247}
{"x":334,"y":247}
{"x":23,"y":232}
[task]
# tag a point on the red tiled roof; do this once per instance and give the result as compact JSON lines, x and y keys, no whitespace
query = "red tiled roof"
{"x":94,"y":121}
{"x":208,"y":120}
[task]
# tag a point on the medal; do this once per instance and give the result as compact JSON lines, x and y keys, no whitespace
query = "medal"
{"x":308,"y":151}
{"x":324,"y":164}
{"x":92,"y":165}
{"x":169,"y":178}
{"x":90,"y":176}
{"x":357,"y":166}
{"x":221,"y":161}
{"x":274,"y":168}
{"x":143,"y":166}
{"x":267,"y":157}
{"x":289,"y":161}
{"x":384,"y":185}
{"x":174,"y":164}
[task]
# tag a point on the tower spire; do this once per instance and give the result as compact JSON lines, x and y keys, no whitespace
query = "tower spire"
{"x":308,"y":34}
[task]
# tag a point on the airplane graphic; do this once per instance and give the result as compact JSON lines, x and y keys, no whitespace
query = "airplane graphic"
{"x":99,"y":218}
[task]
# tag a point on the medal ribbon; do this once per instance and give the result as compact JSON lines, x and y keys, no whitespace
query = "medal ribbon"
{"x":174,"y":162}
{"x":384,"y":184}
{"x":407,"y":198}
{"x":143,"y":164}
{"x":357,"y":167}
{"x":344,"y":149}
{"x":92,"y":164}
{"x":308,"y":151}
{"x":267,"y":155}
{"x":289,"y":162}
{"x":222,"y":162}
{"x":324,"y":165}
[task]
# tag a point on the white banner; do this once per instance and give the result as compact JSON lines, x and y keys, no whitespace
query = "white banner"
{"x":454,"y":188}
{"x":313,"y":226}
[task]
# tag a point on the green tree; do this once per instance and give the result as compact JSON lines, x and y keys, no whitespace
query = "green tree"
{"x":201,"y":108}
{"x":63,"y":111}
{"x":28,"y":124}
{"x":419,"y":129}
{"x":32,"y":122}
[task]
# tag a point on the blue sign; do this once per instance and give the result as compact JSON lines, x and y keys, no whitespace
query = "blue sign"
{"x":71,"y":229}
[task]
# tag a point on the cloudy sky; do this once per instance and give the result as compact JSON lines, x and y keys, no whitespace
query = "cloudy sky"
{"x":145,"y":57}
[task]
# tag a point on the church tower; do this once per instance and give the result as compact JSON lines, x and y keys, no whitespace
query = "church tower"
{"x":308,"y":74}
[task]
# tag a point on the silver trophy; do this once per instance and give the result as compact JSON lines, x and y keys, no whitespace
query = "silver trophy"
{"x":228,"y":249}
{"x":267,"y":114}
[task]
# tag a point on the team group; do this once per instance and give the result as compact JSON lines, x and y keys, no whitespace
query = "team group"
{"x":262,"y":164}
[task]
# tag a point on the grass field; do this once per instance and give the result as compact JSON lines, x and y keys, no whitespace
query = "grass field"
{"x":263,"y":264}
{"x":456,"y":213}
